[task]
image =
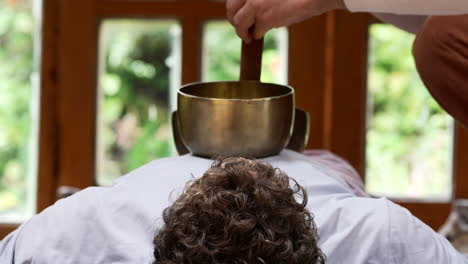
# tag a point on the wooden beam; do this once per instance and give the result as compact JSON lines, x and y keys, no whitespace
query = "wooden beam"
{"x":144,"y":8}
{"x":77,"y":74}
{"x":48,"y":123}
{"x":307,"y":72}
{"x":191,"y":49}
{"x":346,"y":87}
{"x":460,"y":164}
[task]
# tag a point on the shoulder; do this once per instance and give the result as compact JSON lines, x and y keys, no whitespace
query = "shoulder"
{"x":101,"y":224}
{"x":353,"y":229}
{"x":316,"y":177}
{"x":412,"y":241}
{"x":59,"y":230}
{"x":174,"y":170}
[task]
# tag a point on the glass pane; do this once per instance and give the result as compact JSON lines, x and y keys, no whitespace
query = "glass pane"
{"x":18,"y":109}
{"x":139,"y":77}
{"x":221,"y":54}
{"x":409,"y":137}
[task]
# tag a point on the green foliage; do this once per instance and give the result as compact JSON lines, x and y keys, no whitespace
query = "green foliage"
{"x":408,"y":140}
{"x":16,"y":68}
{"x":135,"y":109}
{"x":222,"y":54}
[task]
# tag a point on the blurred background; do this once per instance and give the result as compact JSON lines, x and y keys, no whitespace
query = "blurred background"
{"x":409,"y":137}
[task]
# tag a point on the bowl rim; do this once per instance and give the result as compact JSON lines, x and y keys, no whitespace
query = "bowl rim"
{"x":269,"y":98}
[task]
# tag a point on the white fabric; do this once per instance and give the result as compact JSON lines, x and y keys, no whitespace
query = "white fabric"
{"x":409,"y":23}
{"x":117,"y":224}
{"x":410,"y":7}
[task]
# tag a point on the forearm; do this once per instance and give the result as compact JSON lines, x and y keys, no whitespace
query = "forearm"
{"x":409,"y":23}
{"x":409,"y":7}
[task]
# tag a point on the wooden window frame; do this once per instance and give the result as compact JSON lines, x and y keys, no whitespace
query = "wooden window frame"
{"x":47,"y":146}
{"x":320,"y":58}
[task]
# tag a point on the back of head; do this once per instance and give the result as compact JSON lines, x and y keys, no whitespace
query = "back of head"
{"x":239,"y":211}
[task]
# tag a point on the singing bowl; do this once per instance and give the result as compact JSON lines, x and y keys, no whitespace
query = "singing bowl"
{"x":298,"y":141}
{"x":246,"y":118}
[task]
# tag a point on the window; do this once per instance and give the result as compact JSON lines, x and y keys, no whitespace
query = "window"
{"x":140,"y":74}
{"x":409,"y":137}
{"x":19,"y":93}
{"x":109,"y":72}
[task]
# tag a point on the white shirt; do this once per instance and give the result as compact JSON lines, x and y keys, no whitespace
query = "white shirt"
{"x":410,"y":7}
{"x":117,"y":224}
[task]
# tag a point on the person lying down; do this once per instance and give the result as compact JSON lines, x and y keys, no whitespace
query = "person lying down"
{"x":231,"y":211}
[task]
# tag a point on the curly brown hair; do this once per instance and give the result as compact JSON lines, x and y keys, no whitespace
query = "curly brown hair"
{"x":241,"y":211}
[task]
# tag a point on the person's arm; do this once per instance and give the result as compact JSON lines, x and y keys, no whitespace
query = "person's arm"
{"x":409,"y":7}
{"x":253,"y":18}
{"x":409,"y":23}
{"x":263,"y":15}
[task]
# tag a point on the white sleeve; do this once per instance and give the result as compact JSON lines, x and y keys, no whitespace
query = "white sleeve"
{"x":54,"y":235}
{"x":409,"y":23}
{"x":409,"y":7}
{"x":7,"y":248}
{"x":412,"y":241}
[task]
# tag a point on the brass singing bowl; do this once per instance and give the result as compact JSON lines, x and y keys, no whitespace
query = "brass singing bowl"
{"x":298,"y":141}
{"x":246,"y":118}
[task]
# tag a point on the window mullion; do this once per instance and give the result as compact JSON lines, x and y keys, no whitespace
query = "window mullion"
{"x":191,"y":49}
{"x":125,"y":8}
{"x":461,"y":162}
